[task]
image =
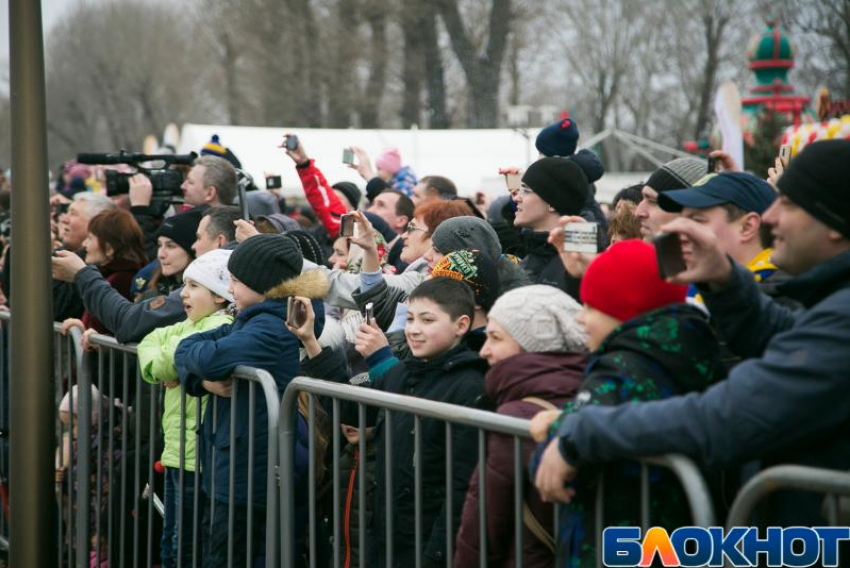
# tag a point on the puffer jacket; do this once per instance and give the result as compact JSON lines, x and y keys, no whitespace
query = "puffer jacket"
{"x":657,"y":355}
{"x":258,"y":338}
{"x":544,"y":266}
{"x":156,"y":363}
{"x":555,"y":378}
{"x":456,"y":377}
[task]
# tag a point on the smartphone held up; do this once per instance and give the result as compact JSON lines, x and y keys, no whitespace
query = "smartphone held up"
{"x":668,"y":251}
{"x":347,"y":226}
{"x":296,"y":313}
{"x":581,"y":237}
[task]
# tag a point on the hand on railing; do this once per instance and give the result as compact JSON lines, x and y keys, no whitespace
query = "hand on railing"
{"x":219,"y":388}
{"x":87,"y":342}
{"x":370,"y":339}
{"x":539,"y":426}
{"x":575,"y":263}
{"x":552,"y":473}
{"x":171,"y":384}
{"x":71,"y":322}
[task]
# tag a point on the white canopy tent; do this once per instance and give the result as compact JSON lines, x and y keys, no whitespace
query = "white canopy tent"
{"x":471,"y":158}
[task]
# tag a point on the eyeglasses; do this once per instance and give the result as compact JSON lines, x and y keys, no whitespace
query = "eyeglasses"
{"x":525,"y":191}
{"x":411,"y":228}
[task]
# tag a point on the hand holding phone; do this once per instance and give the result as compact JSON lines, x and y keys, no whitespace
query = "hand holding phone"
{"x":347,"y":224}
{"x":296,"y":313}
{"x":581,"y":237}
{"x":668,"y":251}
{"x":273,"y":182}
{"x":291,"y":142}
{"x":348,"y":156}
{"x":785,"y":154}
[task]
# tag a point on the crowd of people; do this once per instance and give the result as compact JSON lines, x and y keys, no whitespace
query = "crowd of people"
{"x":736,"y":359}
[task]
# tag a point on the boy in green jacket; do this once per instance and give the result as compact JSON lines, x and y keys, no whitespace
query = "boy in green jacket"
{"x":204,"y":297}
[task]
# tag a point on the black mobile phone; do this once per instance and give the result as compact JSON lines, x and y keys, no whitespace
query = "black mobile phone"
{"x":62,"y":208}
{"x":712,"y":164}
{"x":346,"y":226}
{"x":668,"y":250}
{"x":291,"y":142}
{"x":296,"y":313}
{"x":274,"y":182}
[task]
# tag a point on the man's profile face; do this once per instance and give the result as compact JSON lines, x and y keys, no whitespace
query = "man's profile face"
{"x":650,"y":215}
{"x":194,"y":192}
{"x":384,"y":207}
{"x":74,"y":226}
{"x":204,"y":242}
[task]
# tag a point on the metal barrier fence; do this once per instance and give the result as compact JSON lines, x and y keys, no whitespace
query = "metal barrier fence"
{"x":453,"y":416}
{"x":107,"y":500}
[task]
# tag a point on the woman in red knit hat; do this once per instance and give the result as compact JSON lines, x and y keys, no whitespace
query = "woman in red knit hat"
{"x":645,"y":344}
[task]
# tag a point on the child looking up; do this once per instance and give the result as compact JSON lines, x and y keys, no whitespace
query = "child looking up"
{"x":265,"y":270}
{"x":205,"y":296}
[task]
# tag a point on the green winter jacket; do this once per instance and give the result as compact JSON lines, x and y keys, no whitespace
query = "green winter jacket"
{"x":156,"y":361}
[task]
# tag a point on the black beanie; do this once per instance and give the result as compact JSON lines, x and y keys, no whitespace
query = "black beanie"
{"x":559,"y":182}
{"x":817,"y":180}
{"x":182,"y":229}
{"x":264,"y":261}
{"x":350,"y":191}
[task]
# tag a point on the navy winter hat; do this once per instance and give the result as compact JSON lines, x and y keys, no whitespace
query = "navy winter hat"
{"x":182,"y":228}
{"x":750,"y":193}
{"x":350,"y":191}
{"x":215,"y":148}
{"x":559,"y":139}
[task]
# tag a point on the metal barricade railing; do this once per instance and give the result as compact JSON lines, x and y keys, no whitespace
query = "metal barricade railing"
{"x":453,"y":416}
{"x":831,"y":483}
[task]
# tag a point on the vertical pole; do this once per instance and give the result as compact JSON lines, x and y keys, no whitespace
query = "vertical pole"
{"x":32,"y":412}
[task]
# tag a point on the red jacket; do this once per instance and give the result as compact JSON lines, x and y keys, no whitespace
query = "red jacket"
{"x":321,"y":196}
{"x":554,"y":377}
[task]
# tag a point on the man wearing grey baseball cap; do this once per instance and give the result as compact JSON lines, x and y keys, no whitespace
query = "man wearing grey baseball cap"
{"x":787,"y":403}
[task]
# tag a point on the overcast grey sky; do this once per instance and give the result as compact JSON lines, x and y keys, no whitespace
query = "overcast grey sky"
{"x":51,"y":12}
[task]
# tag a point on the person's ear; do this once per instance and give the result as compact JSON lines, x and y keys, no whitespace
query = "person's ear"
{"x":219,"y":300}
{"x":462,"y":325}
{"x":220,"y":240}
{"x":212,"y":193}
{"x":749,"y":227}
{"x":109,"y":252}
{"x":403,"y":220}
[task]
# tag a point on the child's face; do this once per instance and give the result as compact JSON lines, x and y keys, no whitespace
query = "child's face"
{"x":499,"y":345}
{"x":243,"y":296}
{"x":430,"y":331}
{"x":198,"y":301}
{"x":598,"y":326}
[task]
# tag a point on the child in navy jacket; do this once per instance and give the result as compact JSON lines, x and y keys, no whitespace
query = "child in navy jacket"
{"x":265,"y":271}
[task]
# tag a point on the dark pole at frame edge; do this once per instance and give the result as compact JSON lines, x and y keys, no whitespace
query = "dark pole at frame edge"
{"x":33,"y":517}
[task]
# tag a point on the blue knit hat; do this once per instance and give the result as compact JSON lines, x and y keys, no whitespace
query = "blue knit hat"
{"x":215,"y":148}
{"x":559,"y":139}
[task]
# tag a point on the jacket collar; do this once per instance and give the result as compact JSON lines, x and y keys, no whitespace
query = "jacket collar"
{"x":458,"y":356}
{"x":544,"y":375}
{"x":275,"y":307}
{"x":816,"y":284}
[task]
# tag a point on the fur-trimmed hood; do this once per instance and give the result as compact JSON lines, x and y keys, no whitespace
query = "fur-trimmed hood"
{"x":311,"y":284}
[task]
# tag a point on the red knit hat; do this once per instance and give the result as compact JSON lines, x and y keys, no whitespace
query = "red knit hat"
{"x":623,"y":282}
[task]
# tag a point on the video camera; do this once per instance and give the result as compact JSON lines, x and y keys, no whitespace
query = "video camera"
{"x":158,"y":168}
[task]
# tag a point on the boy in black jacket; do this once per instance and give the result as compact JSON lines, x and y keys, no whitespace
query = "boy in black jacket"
{"x":441,"y":368}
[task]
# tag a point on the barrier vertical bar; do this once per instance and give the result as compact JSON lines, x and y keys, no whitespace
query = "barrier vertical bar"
{"x":336,"y":481}
{"x":100,"y":453}
{"x":231,"y":482}
{"x":519,"y":478}
{"x":125,"y":399}
{"x":72,"y":493}
{"x":152,"y":457}
{"x":110,"y":466}
{"x":361,"y":474}
{"x":311,"y":478}
{"x":644,"y":498}
{"x":449,"y":470}
{"x":60,"y":431}
{"x":196,"y":512}
{"x":482,"y":498}
{"x":388,"y":452}
{"x":417,"y":486}
{"x":252,"y":416}
{"x":213,"y":452}
{"x":137,"y":464}
{"x":600,"y":513}
{"x":181,"y":481}
{"x":84,"y":451}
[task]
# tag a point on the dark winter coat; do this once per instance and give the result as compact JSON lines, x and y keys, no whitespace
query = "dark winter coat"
{"x":554,"y":377}
{"x":456,"y":377}
{"x":786,"y":404}
{"x":544,"y":266}
{"x":257,"y":338}
{"x":657,"y":355}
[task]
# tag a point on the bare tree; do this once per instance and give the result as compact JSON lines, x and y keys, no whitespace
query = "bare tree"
{"x":825,"y":27}
{"x":482,"y":67}
{"x":373,"y":93}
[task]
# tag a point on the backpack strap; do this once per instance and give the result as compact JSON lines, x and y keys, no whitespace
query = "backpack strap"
{"x":528,"y":518}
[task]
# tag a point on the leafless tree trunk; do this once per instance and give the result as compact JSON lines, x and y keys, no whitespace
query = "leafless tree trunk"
{"x":482,"y":69}
{"x":413,"y":64}
{"x":374,"y":93}
{"x":340,"y":82}
{"x":714,"y":20}
{"x":437,"y":115}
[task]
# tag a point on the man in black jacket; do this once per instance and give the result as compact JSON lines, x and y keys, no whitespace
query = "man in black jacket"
{"x":788,"y":403}
{"x":551,"y":187}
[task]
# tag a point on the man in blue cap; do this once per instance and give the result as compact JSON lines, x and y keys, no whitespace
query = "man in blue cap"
{"x":732,"y":205}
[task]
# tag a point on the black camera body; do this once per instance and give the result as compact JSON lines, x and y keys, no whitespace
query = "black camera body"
{"x":158,"y":168}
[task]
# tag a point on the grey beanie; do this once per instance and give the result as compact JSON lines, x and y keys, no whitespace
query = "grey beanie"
{"x":541,"y":319}
{"x":467,"y":233}
{"x":678,"y":174}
